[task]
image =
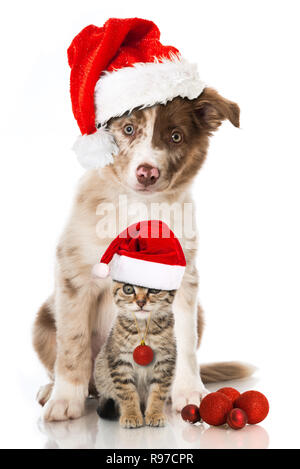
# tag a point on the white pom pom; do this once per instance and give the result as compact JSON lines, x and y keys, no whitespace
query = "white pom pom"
{"x":96,"y":150}
{"x":100,"y":270}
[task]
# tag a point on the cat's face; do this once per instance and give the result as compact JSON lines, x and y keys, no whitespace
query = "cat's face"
{"x":141,"y":301}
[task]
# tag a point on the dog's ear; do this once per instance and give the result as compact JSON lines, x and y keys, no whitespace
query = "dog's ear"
{"x":211,"y":109}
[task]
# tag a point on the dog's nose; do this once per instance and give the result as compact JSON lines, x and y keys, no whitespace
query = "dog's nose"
{"x":141,"y":303}
{"x":147,"y":175}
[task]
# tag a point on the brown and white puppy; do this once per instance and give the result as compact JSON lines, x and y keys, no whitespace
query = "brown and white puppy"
{"x":161,"y":150}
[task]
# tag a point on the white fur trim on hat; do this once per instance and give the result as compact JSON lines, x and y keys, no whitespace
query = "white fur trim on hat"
{"x":96,"y":150}
{"x":144,"y":85}
{"x":100,"y":270}
{"x":146,"y":274}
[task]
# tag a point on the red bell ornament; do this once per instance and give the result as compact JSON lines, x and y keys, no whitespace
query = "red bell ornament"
{"x":214,"y":408}
{"x":255,"y":404}
{"x":190,"y":413}
{"x":143,"y":354}
{"x":237,"y":419}
{"x":231,"y":393}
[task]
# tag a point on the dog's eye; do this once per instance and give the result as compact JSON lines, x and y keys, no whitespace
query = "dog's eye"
{"x":128,"y":289}
{"x":176,"y":136}
{"x":153,"y":291}
{"x":129,"y":129}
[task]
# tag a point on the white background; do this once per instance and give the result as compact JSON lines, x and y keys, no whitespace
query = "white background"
{"x":248,"y":194}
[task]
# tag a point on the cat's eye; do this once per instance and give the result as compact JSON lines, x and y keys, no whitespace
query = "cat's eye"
{"x":128,"y":289}
{"x":176,"y":136}
{"x":153,"y":291}
{"x":128,"y":129}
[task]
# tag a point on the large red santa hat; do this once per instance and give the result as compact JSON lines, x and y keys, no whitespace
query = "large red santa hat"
{"x":117,"y":68}
{"x":147,"y":254}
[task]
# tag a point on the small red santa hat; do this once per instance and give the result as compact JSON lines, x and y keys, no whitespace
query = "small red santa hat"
{"x":117,"y":68}
{"x":146,"y":254}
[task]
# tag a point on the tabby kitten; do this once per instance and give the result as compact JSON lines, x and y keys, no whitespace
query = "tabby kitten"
{"x":127,"y":389}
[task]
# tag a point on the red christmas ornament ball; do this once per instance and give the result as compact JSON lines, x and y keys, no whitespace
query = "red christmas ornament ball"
{"x":143,"y":355}
{"x":190,"y":413}
{"x":255,"y":404}
{"x":214,"y":408}
{"x":231,"y":393}
{"x":237,"y":419}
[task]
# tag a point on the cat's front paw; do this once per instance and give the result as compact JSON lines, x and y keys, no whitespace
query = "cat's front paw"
{"x":131,"y":420}
{"x":183,"y":395}
{"x":155,"y":420}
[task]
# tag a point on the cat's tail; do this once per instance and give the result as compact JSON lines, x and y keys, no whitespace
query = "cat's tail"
{"x":107,"y":409}
{"x":225,"y":371}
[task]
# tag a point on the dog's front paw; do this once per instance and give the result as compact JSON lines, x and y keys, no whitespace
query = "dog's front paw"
{"x":67,"y":401}
{"x":189,"y":391}
{"x":131,"y":420}
{"x":63,"y":409}
{"x":155,"y":420}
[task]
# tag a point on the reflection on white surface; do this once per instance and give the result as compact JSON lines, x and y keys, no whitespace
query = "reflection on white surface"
{"x":91,"y":432}
{"x":250,"y":437}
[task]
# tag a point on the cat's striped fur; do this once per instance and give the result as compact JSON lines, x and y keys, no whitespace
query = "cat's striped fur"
{"x":126,"y":388}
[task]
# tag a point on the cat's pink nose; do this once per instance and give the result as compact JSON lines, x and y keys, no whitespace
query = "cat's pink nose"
{"x":147,"y":175}
{"x":141,"y":303}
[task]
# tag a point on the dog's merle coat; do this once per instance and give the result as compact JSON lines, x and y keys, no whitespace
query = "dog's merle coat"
{"x":73,"y":324}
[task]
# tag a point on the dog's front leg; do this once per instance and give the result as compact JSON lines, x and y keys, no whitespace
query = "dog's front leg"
{"x":187,"y":386}
{"x":73,"y":364}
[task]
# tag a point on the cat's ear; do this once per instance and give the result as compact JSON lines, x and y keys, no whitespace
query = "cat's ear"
{"x":211,"y":109}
